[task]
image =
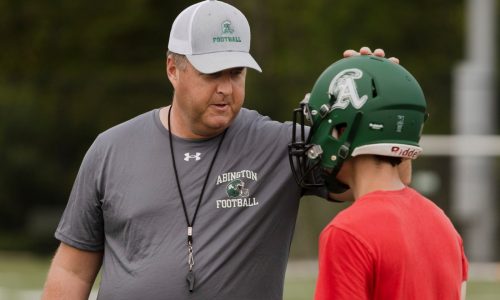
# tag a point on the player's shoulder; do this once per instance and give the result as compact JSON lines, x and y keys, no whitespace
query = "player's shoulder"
{"x":367,"y":209}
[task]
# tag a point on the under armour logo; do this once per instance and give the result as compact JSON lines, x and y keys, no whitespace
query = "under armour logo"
{"x":188,"y":156}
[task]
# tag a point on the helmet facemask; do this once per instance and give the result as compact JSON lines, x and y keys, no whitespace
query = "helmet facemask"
{"x":301,"y":153}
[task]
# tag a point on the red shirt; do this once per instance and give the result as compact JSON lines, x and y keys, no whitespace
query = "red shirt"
{"x":391,"y":245}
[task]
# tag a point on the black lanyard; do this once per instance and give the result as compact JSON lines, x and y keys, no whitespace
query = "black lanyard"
{"x":190,"y":276}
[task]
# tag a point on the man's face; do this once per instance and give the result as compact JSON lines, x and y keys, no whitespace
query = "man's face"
{"x":206,"y":104}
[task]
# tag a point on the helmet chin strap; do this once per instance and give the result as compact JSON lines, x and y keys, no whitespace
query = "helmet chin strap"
{"x":334,"y":185}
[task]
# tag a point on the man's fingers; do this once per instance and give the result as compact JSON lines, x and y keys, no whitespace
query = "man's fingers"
{"x":365,"y":51}
{"x":379,"y":52}
{"x":394,"y":60}
{"x":350,"y":52}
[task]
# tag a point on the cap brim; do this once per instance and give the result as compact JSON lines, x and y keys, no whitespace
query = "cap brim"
{"x":218,"y":61}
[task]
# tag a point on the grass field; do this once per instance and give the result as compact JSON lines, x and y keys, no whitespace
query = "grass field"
{"x":22,"y":277}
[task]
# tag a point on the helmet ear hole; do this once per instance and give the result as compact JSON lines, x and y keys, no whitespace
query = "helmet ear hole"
{"x":338,"y":130}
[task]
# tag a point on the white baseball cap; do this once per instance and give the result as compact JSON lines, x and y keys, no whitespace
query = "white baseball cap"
{"x":213,"y":36}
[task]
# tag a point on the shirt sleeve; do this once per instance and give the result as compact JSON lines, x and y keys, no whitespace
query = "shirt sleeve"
{"x":81,"y":225}
{"x":345,"y":267}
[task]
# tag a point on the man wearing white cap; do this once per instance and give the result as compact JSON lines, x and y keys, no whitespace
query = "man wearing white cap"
{"x":191,"y":201}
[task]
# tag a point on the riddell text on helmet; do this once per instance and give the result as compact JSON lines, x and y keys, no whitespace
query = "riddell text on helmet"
{"x":405,"y":152}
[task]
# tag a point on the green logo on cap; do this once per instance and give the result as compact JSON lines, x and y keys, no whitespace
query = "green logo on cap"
{"x":226,"y":28}
{"x":226,"y":31}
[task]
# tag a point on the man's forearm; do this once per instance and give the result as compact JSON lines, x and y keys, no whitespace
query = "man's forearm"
{"x":72,"y":274}
{"x":62,"y":284}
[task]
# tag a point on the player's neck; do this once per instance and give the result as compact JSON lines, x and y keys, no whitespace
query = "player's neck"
{"x":370,"y":175}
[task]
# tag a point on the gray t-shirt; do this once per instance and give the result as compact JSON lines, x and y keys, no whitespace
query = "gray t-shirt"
{"x":125,"y":201}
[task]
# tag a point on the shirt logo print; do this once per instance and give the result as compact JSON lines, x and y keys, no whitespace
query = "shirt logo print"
{"x":188,"y":156}
{"x":238,"y":195}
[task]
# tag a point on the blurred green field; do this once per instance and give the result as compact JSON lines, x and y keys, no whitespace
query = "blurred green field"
{"x":22,"y":277}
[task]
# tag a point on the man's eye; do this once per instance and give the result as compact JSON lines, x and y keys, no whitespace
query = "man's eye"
{"x":213,"y":75}
{"x":237,"y":71}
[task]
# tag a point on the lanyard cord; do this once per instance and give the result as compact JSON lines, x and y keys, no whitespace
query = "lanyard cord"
{"x":190,"y":224}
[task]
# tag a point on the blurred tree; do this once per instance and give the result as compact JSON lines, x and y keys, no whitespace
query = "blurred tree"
{"x":71,"y":69}
{"x":295,"y":41}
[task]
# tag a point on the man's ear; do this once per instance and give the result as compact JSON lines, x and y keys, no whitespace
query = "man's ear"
{"x":172,"y":70}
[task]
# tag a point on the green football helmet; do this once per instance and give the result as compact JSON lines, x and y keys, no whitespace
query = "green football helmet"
{"x":358,"y":105}
{"x":236,"y":188}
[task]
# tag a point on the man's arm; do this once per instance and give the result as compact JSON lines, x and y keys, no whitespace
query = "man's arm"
{"x":72,"y":273}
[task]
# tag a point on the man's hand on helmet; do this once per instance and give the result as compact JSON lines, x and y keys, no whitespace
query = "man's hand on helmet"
{"x":367,"y":51}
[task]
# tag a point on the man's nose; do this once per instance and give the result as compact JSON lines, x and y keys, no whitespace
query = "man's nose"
{"x":225,"y":85}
